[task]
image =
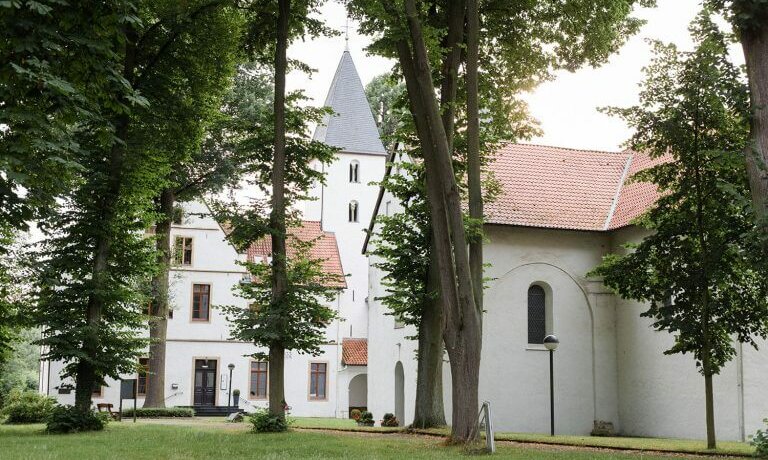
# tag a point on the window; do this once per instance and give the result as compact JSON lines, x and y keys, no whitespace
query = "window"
{"x":201,"y":302}
{"x":353,"y":211}
{"x":537,"y":314}
{"x":386,"y":207}
{"x":259,"y":379}
{"x":354,"y":171}
{"x":142,"y":382}
{"x":317,"y":380}
{"x":182,"y":251}
{"x":97,"y":392}
{"x":178,"y":215}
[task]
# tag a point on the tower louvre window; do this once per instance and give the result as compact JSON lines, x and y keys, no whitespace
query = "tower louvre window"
{"x":353,"y":210}
{"x":354,"y":171}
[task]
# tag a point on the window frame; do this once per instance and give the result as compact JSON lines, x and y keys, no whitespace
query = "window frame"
{"x":178,"y":258}
{"x":250,"y":380}
{"x":311,"y":377}
{"x":207,"y":319}
{"x":544,"y":316}
{"x":145,"y":374}
{"x":354,"y":172}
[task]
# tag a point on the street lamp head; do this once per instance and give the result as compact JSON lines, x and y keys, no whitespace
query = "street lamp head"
{"x":551,"y":342}
{"x":231,"y":366}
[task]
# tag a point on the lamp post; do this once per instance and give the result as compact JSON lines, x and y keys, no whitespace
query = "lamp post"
{"x":231,"y":367}
{"x":551,"y":343}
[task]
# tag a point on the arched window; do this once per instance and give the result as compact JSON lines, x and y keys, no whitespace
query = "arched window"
{"x":537,"y":314}
{"x":353,"y":211}
{"x":354,"y":171}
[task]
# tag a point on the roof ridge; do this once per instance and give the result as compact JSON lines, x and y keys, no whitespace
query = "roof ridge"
{"x":571,"y":149}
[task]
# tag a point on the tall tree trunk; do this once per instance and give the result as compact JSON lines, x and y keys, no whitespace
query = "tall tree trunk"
{"x":462,"y":335}
{"x":430,"y":411}
{"x":158,"y":322}
{"x":754,"y":43}
{"x":710,"y":405}
{"x":450,"y":68}
{"x":86,"y":374}
{"x":276,"y":386}
{"x":277,"y":216}
{"x":473,"y":149}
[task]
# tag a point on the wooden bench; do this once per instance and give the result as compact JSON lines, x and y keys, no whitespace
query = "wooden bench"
{"x":107,"y":407}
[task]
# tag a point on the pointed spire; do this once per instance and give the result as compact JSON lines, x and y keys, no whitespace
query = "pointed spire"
{"x":351,"y":127}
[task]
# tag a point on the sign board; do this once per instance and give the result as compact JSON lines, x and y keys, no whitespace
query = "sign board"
{"x":128,"y":389}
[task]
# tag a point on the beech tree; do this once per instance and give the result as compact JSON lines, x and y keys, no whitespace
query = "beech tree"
{"x":275,"y":25}
{"x":184,"y":91}
{"x":96,"y":260}
{"x":520,"y":45}
{"x":699,"y":268}
{"x":58,"y":68}
{"x":750,"y":19}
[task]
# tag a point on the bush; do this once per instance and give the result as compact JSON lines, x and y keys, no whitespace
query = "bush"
{"x":68,"y":419}
{"x":264,"y":422}
{"x":760,"y":441}
{"x":390,"y":420}
{"x":27,"y":407}
{"x":354,"y":414}
{"x":160,"y":412}
{"x":366,"y":419}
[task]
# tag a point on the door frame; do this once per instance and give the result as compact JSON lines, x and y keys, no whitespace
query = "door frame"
{"x":216,"y":379}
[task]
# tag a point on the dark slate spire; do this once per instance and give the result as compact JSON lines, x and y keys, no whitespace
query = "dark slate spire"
{"x":351,"y":127}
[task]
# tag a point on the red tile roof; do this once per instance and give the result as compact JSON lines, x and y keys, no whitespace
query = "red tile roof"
{"x":553,"y":187}
{"x":324,"y":248}
{"x":354,"y":352}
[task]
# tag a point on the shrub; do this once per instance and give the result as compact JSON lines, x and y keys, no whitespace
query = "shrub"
{"x":68,"y":419}
{"x":390,"y":420}
{"x":760,"y":441}
{"x":264,"y":422}
{"x":27,"y":407}
{"x":160,"y":412}
{"x":354,"y":414}
{"x":366,"y":419}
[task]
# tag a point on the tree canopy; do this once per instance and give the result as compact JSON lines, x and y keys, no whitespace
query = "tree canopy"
{"x":700,"y":267}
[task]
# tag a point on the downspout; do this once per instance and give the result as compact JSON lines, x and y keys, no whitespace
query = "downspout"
{"x":740,"y":389}
{"x":338,"y":350}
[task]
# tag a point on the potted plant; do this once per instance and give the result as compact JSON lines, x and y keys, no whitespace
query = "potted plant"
{"x":236,"y":397}
{"x":354,"y":414}
{"x":366,"y":419}
{"x":390,"y":420}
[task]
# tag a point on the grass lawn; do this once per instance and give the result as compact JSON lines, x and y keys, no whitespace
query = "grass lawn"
{"x":206,"y":439}
{"x":655,"y":444}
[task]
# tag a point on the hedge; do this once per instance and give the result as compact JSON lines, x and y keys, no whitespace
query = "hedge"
{"x":160,"y":412}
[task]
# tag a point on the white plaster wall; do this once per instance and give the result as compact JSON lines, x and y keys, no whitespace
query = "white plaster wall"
{"x":180,"y":368}
{"x":755,"y":367}
{"x":214,"y":263}
{"x":386,"y":346}
{"x":663,"y":395}
{"x":332,"y":207}
{"x":623,"y":376}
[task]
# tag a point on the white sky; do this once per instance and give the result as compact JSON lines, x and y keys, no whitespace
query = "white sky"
{"x":566,"y":107}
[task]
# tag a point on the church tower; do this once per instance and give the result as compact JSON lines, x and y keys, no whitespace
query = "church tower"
{"x":345,"y":203}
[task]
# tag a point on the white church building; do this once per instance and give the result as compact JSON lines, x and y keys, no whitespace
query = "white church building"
{"x":559,"y":212}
